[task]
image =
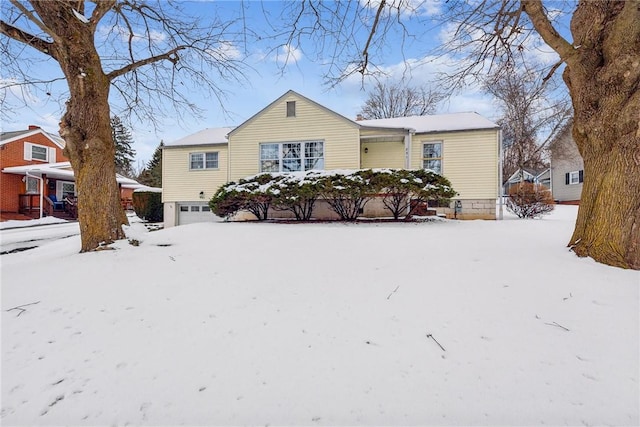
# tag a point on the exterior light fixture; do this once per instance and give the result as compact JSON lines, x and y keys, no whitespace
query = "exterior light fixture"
{"x":202,"y":194}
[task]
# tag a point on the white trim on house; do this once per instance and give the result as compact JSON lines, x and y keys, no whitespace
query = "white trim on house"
{"x":26,"y":134}
{"x":62,"y":170}
{"x":209,"y":136}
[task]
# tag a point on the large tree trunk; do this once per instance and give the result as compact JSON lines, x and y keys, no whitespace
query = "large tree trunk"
{"x":86,"y":127}
{"x":604,"y":83}
{"x":603,"y":76}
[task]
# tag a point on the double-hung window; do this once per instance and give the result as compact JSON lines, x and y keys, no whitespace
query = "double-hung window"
{"x":575,"y":177}
{"x":39,"y":152}
{"x":201,"y":161}
{"x":432,"y":156}
{"x":291,"y":156}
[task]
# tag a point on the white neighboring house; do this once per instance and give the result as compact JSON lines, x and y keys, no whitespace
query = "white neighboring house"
{"x":567,"y":168}
{"x":295,"y":133}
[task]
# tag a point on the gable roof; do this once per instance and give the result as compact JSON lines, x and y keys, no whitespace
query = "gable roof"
{"x":209,"y":136}
{"x":292,"y":92}
{"x":434,"y":123}
{"x":11,"y":136}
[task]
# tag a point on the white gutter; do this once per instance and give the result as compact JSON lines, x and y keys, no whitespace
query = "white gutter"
{"x":41,"y":189}
{"x":500,"y":163}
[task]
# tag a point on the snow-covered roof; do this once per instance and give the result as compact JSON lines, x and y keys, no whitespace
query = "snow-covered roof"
{"x":207,"y":136}
{"x":147,"y":189}
{"x":10,"y":136}
{"x":434,"y":123}
{"x":62,"y":170}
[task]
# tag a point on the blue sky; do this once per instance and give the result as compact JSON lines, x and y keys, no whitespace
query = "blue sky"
{"x":267,"y":76}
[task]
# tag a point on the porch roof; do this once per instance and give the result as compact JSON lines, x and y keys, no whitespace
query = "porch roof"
{"x":63,"y":170}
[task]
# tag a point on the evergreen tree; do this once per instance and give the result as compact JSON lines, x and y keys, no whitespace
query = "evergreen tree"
{"x":124,"y":153}
{"x":151,"y":175}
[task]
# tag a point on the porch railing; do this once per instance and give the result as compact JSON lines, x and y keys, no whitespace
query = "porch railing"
{"x":29,"y":204}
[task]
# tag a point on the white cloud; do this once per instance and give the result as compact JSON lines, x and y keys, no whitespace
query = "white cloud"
{"x":407,"y":7}
{"x":13,"y":89}
{"x":287,"y":54}
{"x":226,"y":50}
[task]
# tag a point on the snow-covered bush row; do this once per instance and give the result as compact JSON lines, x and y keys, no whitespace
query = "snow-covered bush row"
{"x":528,"y":200}
{"x":346,"y":191}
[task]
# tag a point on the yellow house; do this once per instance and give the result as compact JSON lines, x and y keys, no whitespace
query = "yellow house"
{"x":294,"y":133}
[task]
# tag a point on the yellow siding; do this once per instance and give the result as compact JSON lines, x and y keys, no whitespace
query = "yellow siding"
{"x":469,"y":161}
{"x":181,"y":184}
{"x":382,"y":154}
{"x":341,"y":138}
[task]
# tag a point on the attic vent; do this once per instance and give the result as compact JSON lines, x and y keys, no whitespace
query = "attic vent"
{"x":291,"y":108}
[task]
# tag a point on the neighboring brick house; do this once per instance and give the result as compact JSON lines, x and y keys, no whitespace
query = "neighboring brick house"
{"x":32,"y":146}
{"x":36,"y":175}
{"x":567,"y":168}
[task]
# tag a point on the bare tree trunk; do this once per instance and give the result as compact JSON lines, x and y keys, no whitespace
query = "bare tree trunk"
{"x":86,"y":128}
{"x":603,"y":77}
{"x":608,"y":225}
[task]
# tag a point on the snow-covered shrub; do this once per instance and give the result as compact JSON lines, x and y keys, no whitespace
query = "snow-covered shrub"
{"x":403,"y":190}
{"x":347,"y":192}
{"x":253,"y":194}
{"x":528,"y":200}
{"x":148,"y":205}
{"x":227,"y":201}
{"x":297,"y":193}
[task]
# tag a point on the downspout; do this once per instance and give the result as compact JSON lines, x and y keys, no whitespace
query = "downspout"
{"x":500,"y":177}
{"x":408,"y":143}
{"x":41,"y":189}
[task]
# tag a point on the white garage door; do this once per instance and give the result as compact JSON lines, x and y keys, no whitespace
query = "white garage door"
{"x":190,"y":213}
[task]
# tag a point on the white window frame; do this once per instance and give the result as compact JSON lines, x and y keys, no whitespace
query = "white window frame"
{"x":426,"y":159}
{"x":60,"y":189}
{"x":574,"y":177}
{"x":204,"y":161}
{"x":305,"y":158}
{"x":32,"y":185}
{"x":49,"y":153}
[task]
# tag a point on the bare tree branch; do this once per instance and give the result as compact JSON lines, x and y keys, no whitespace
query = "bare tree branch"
{"x":374,"y":26}
{"x":549,"y":34}
{"x":31,"y":17}
{"x":171,"y":56}
{"x":26,"y":38}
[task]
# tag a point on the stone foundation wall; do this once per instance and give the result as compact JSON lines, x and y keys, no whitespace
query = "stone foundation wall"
{"x":471,"y":209}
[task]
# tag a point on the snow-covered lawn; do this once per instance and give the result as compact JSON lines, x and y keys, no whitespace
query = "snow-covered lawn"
{"x":439,"y":323}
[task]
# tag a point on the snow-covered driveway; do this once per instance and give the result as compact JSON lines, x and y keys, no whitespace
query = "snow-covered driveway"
{"x":29,"y":237}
